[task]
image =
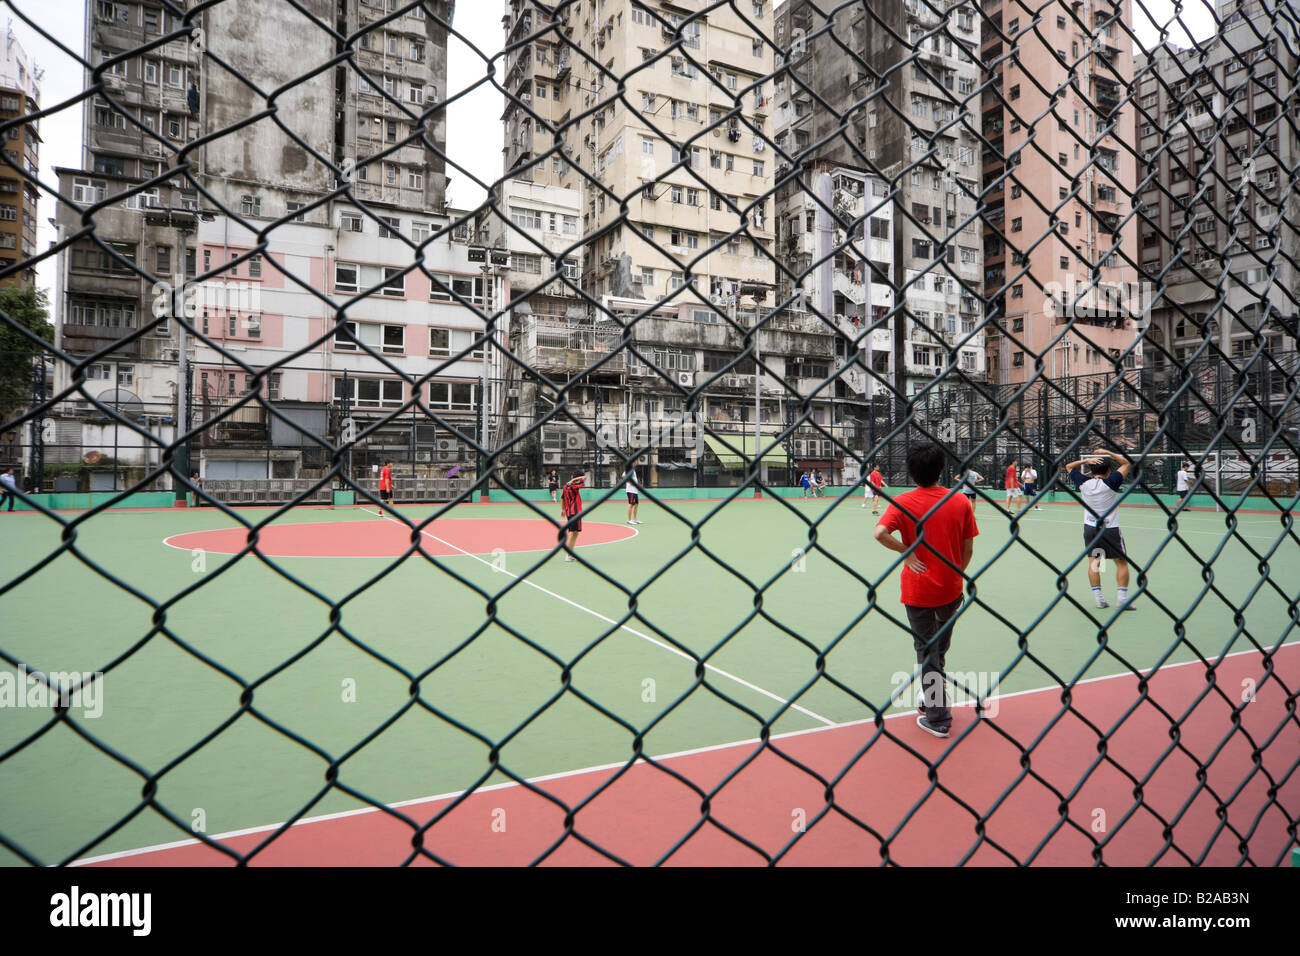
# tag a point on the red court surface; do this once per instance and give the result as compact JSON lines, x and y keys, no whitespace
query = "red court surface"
{"x":645,"y":812}
{"x":388,"y":539}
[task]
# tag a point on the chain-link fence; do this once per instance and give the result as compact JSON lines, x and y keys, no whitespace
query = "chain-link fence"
{"x":735,"y":243}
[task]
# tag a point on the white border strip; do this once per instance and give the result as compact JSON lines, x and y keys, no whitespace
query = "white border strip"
{"x":124,"y":854}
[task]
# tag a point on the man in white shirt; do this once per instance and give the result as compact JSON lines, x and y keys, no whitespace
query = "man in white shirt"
{"x":8,"y":487}
{"x":1099,"y":489}
{"x":1029,"y":478}
{"x":633,"y":498}
{"x":1183,"y":480}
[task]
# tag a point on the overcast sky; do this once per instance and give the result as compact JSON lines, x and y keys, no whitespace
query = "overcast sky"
{"x":474,"y":137}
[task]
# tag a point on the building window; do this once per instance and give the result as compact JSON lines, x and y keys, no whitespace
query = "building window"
{"x":294,"y":209}
{"x":443,"y":343}
{"x":470,"y":289}
{"x":250,"y":205}
{"x":394,"y":282}
{"x":369,"y":392}
{"x":525,"y":218}
{"x":351,"y":222}
{"x":455,"y":396}
{"x":346,"y":276}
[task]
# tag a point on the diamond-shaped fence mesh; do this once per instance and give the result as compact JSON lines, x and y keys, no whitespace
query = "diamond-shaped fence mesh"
{"x":744,"y":259}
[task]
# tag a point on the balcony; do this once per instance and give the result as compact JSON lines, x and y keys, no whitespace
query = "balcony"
{"x":558,"y":346}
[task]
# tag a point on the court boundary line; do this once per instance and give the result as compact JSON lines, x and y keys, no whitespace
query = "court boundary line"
{"x":380,"y":557}
{"x":694,"y":751}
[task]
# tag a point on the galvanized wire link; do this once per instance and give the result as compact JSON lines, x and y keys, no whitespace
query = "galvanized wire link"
{"x":1183,"y":169}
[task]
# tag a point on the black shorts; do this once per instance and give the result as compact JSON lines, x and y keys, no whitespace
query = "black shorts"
{"x":554,"y":488}
{"x":632,"y":498}
{"x":577,"y":524}
{"x":385,"y":494}
{"x":1029,"y":489}
{"x":1110,"y":542}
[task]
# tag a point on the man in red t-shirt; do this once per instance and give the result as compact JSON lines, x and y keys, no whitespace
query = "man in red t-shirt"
{"x":1012,"y":483}
{"x":932,"y":578}
{"x":571,"y":502}
{"x":385,"y":485}
{"x":871,"y":491}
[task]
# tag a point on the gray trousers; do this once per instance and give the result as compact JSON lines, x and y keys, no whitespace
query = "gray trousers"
{"x":931,"y":653}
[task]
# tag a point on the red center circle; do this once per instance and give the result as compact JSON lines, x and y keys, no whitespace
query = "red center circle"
{"x":382,"y":538}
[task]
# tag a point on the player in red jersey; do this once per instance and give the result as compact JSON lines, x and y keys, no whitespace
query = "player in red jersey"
{"x":1012,"y":483}
{"x":571,"y":501}
{"x":385,"y":485}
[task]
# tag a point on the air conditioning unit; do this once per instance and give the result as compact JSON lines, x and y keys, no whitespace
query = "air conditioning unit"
{"x":526,"y":97}
{"x":552,"y":457}
{"x":446,"y":445}
{"x":423,"y":456}
{"x":686,"y":379}
{"x":800,"y":448}
{"x":500,"y":257}
{"x":575,"y":440}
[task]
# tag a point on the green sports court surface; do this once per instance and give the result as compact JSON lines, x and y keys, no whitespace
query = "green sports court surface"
{"x":243,"y":693}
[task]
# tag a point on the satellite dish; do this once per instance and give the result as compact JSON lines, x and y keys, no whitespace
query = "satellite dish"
{"x":126,"y":403}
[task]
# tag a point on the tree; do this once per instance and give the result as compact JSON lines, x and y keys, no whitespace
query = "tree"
{"x":20,"y":307}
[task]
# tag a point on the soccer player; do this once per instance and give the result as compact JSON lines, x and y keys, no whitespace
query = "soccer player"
{"x":633,"y":498}
{"x":1012,"y":483}
{"x":1030,"y":478}
{"x":931,"y":579}
{"x":1183,"y":480}
{"x":8,"y":487}
{"x":806,"y":483}
{"x":872,"y":493}
{"x":571,"y":502}
{"x":1099,"y":489}
{"x":968,"y":480}
{"x":385,"y":486}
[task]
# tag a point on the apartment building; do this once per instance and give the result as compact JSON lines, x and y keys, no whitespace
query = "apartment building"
{"x":915,"y":134}
{"x":1059,"y":165}
{"x":20,"y":95}
{"x":271,"y":310}
{"x":539,"y":226}
{"x":686,"y":146}
{"x":684,"y":163}
{"x":1218,"y":142}
{"x":373,"y":123}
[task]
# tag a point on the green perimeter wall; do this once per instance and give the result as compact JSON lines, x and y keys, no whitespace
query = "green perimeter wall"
{"x":85,"y":500}
{"x":679,"y":494}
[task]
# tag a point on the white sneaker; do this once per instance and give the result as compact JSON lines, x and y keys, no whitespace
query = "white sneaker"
{"x":1102,"y":603}
{"x":569,"y":557}
{"x":636,"y":522}
{"x":631,"y":522}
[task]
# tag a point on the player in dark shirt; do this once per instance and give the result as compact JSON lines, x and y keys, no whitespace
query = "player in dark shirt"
{"x":572,"y":505}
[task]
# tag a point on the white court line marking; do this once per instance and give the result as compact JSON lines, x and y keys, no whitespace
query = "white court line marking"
{"x":343,"y":814}
{"x":610,"y":620}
